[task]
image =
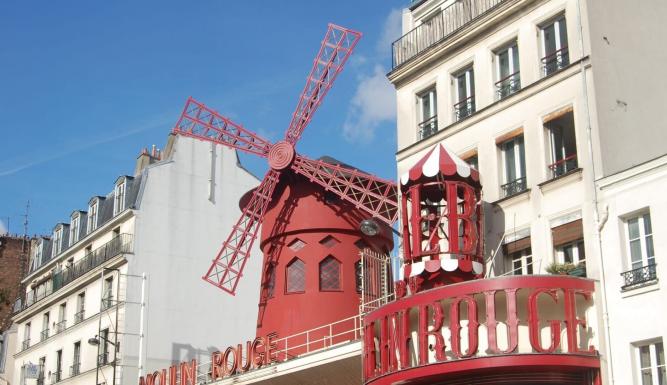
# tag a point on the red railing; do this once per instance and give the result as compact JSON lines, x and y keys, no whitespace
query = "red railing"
{"x":563,"y":166}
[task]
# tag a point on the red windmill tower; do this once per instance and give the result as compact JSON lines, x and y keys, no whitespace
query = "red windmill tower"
{"x":308,"y":208}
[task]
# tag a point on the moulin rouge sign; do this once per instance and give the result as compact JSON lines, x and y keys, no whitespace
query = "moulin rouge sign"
{"x":446,"y":323}
{"x":233,"y":360}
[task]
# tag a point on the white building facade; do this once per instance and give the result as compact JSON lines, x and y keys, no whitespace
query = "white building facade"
{"x":117,"y":290}
{"x":537,"y":96}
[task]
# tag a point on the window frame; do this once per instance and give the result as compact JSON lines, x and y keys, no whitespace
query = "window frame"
{"x":577,"y":247}
{"x":93,"y":215}
{"x":654,"y":366}
{"x":74,"y":228}
{"x":645,"y":260}
{"x":519,"y":148}
{"x":340,"y":273}
{"x":427,"y":126}
{"x":57,"y":243}
{"x":468,"y":71}
{"x":509,"y":47}
{"x":119,"y":197}
{"x":525,"y":257}
{"x":287,"y":279}
{"x":561,"y":50}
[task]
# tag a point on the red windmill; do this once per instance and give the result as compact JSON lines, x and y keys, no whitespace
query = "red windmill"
{"x":363,"y":192}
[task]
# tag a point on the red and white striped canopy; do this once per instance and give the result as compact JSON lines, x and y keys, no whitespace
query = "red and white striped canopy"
{"x":439,"y":160}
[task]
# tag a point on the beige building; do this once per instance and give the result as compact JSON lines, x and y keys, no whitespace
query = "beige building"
{"x":557,"y":103}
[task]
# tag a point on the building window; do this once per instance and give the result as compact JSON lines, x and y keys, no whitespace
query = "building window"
{"x":427,"y":104}
{"x":92,"y":216}
{"x":563,"y":145}
{"x":102,"y":349}
{"x":507,"y":70}
{"x":57,"y":242}
{"x":330,"y":274}
{"x":62,"y":317}
{"x":75,"y":369}
{"x":464,"y":93}
{"x":518,"y":257}
{"x":640,"y":249}
{"x":296,"y":276}
{"x":358,"y":276}
{"x":80,"y":308}
{"x":473,"y":161}
{"x":45,"y":327}
{"x":107,"y":295}
{"x":554,"y":45}
{"x":514,"y":164}
{"x":58,"y":373}
{"x":119,"y":198}
{"x":38,"y":255}
{"x":74,"y":229}
{"x":42,"y":369}
{"x":651,"y":359}
{"x":26,"y":336}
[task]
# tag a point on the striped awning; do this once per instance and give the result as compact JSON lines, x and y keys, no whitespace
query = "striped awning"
{"x":440,"y":161}
{"x":446,"y":264}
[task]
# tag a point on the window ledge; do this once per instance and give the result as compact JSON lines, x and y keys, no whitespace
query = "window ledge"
{"x":561,"y":180}
{"x":641,"y":288}
{"x":525,"y":194}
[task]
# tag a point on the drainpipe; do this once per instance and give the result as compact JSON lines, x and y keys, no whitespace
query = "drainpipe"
{"x":596,"y":214}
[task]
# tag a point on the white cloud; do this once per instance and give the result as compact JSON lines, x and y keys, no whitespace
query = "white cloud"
{"x":391,"y":30}
{"x":374,"y":102}
{"x":3,"y":228}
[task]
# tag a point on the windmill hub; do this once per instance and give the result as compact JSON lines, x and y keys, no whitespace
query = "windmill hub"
{"x":281,"y":155}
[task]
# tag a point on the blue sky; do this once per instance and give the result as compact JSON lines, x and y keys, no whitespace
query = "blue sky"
{"x":85,"y":85}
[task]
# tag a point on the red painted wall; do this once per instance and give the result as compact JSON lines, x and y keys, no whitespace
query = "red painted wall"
{"x":303,"y":210}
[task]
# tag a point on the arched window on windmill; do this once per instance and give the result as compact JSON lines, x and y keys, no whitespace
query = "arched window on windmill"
{"x":441,"y":217}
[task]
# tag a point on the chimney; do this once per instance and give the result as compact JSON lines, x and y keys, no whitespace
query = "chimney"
{"x":145,"y":158}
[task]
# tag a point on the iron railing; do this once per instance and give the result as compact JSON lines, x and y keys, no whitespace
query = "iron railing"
{"x":44,"y":334}
{"x":438,"y":28}
{"x":639,"y":275}
{"x":79,"y":316}
{"x":428,"y":127}
{"x":56,"y":376}
{"x":464,"y":108}
{"x":107,"y":302}
{"x":514,"y":187}
{"x":555,"y":61}
{"x":26,"y":344}
{"x":103,"y":359}
{"x":120,"y":244}
{"x":508,"y":85}
{"x":75,"y":369}
{"x":563,"y":166}
{"x":60,"y":326}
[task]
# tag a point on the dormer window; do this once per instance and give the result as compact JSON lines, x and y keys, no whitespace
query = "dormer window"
{"x":119,"y":197}
{"x":74,"y":227}
{"x":37,"y":256}
{"x":57,"y":241}
{"x":92,"y":215}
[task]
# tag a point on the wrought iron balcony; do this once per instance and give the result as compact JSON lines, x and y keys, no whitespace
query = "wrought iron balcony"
{"x":107,"y":302}
{"x":555,"y":61}
{"x":428,"y":127}
{"x":508,"y":85}
{"x":438,"y":28}
{"x":102,"y":359}
{"x":639,"y":276}
{"x":79,"y":316}
{"x":44,"y":334}
{"x":26,"y":344}
{"x":56,"y":376}
{"x":75,"y":369}
{"x":464,"y":108}
{"x":514,"y":187}
{"x":563,"y":166}
{"x":120,"y":244}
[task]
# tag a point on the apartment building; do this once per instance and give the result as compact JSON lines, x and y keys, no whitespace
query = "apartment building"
{"x":117,"y":286}
{"x":557,"y":104}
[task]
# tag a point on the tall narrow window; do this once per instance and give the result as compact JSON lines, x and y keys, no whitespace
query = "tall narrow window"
{"x":563,"y":145}
{"x":507,"y":70}
{"x":57,"y":241}
{"x":74,"y":229}
{"x":514,"y":163}
{"x":568,"y":242}
{"x":473,"y":161}
{"x":45,"y":327}
{"x":103,"y":351}
{"x":76,"y":360}
{"x":42,"y":369}
{"x":37,"y":256}
{"x":296,"y":276}
{"x":639,"y":234}
{"x":464,"y":88}
{"x":427,"y":104}
{"x":58,"y":373}
{"x":26,"y":336}
{"x":107,"y":295}
{"x":92,"y":216}
{"x":651,"y":359}
{"x":330,"y":274}
{"x":62,"y":317}
{"x":358,"y":276}
{"x":119,"y":197}
{"x":80,"y":308}
{"x":554,"y":45}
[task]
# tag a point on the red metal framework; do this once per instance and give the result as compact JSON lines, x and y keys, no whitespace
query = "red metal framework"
{"x":376,"y":196}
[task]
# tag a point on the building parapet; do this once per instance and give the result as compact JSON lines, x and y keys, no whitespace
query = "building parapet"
{"x":120,"y":244}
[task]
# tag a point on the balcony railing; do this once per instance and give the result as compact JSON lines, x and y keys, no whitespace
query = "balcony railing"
{"x":26,"y":344}
{"x":60,"y":326}
{"x":508,"y":85}
{"x":44,"y":334}
{"x":555,"y":61}
{"x":75,"y":369}
{"x":438,"y":28}
{"x":514,"y":187}
{"x":107,"y":302}
{"x":428,"y":127}
{"x":464,"y":108}
{"x":563,"y":166}
{"x":118,"y":245}
{"x":56,"y":376}
{"x":639,"y":276}
{"x":79,"y":316}
{"x":102,"y":359}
